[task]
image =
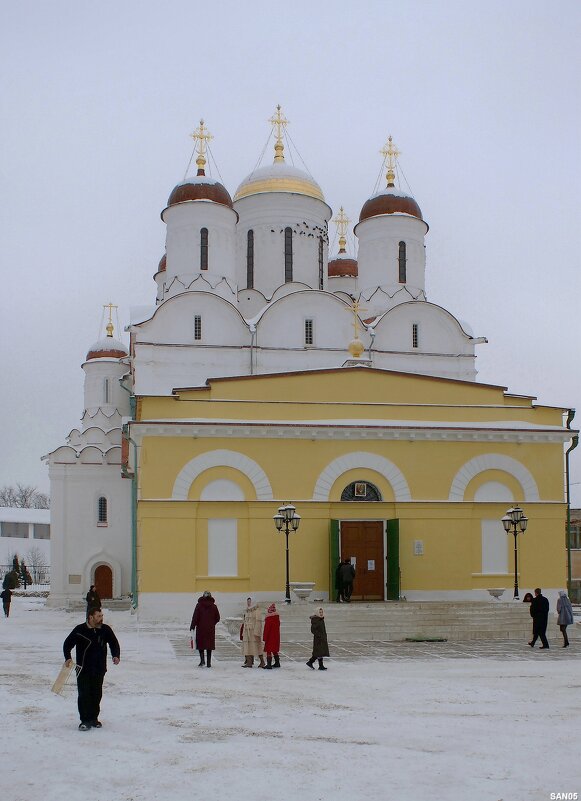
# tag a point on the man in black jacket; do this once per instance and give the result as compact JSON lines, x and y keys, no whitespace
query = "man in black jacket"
{"x":540,"y":616}
{"x":91,"y":640}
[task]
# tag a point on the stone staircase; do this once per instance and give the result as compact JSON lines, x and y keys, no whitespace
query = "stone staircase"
{"x":111,"y":604}
{"x":398,"y":620}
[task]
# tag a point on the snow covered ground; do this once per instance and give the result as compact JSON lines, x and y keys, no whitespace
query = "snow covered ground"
{"x":418,"y":729}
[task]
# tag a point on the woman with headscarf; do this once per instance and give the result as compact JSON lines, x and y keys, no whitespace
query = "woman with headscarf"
{"x":251,"y":634}
{"x":320,"y":644}
{"x":565,"y":613}
{"x":271,"y":637}
{"x":204,"y":620}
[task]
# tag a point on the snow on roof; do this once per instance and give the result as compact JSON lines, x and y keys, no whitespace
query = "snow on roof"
{"x":13,"y":514}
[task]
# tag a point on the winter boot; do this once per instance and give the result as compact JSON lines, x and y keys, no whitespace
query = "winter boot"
{"x":269,"y":662}
{"x":276,"y":661}
{"x":248,"y":661}
{"x":201,"y":664}
{"x":261,"y":657}
{"x":321,"y":665}
{"x":208,"y":659}
{"x":310,"y":663}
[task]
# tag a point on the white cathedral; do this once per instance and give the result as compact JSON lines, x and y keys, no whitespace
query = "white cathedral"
{"x":245,"y":287}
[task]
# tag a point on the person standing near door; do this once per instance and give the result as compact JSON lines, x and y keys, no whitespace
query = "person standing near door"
{"x":565,"y":612}
{"x":347,"y":577}
{"x":540,"y":616}
{"x":92,"y":598}
{"x":339,"y":582}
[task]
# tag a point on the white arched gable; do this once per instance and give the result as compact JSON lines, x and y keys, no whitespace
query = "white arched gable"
{"x":222,"y":458}
{"x":360,"y":460}
{"x":282,"y":323}
{"x":494,"y":461}
{"x":438,"y":330}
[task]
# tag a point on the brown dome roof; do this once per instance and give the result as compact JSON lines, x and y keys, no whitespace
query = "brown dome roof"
{"x":200,"y":187}
{"x":390,"y":201}
{"x":162,"y":264}
{"x":107,"y":348}
{"x":338,"y":267}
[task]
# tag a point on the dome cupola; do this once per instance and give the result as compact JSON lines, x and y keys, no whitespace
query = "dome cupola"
{"x":342,"y":265}
{"x":391,"y":200}
{"x":108,"y":348}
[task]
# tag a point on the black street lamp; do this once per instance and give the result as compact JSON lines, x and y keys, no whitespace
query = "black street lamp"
{"x":515,"y":521}
{"x":290,"y":520}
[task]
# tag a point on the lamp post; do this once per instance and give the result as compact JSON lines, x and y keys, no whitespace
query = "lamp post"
{"x":515,"y":521}
{"x":287,"y":520}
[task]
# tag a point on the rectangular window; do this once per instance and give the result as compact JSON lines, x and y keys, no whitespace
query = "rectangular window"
{"x":222,"y":547}
{"x":309,"y":336}
{"x":14,"y":529}
{"x":41,"y":531}
{"x":198,"y":326}
{"x":106,"y":391}
{"x":575,"y":536}
{"x":102,"y":511}
{"x":288,"y":255}
{"x":494,"y":547}
{"x":250,"y":260}
{"x":415,"y":335}
{"x":204,"y":249}
{"x":402,"y":262}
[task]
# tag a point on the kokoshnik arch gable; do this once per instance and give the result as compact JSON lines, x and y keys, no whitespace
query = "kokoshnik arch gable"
{"x":257,"y":378}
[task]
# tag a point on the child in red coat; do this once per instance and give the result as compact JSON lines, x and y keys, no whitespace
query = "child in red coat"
{"x":271,"y":637}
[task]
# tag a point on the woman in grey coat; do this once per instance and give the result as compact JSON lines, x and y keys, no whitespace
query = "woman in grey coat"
{"x":320,"y":644}
{"x":565,"y":613}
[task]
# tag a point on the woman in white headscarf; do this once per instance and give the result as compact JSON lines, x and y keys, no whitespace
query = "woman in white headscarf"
{"x":565,"y":612}
{"x":251,"y":634}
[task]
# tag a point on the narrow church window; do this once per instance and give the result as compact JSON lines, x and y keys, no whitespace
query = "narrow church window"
{"x":309,"y":338}
{"x":102,"y":511}
{"x":402,"y":263}
{"x":250,"y":260}
{"x":106,"y":391}
{"x":415,"y":335}
{"x":288,"y":255}
{"x":204,"y":249}
{"x":320,"y":262}
{"x":197,"y":326}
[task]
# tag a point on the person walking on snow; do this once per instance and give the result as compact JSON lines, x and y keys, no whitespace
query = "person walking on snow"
{"x":251,"y":635}
{"x":565,"y":612}
{"x":6,"y":596}
{"x":540,"y":615}
{"x":271,"y":637}
{"x":204,"y":620}
{"x":91,"y":640}
{"x":320,"y":644}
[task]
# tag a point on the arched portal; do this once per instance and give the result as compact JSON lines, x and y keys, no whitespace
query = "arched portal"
{"x":104,"y":581}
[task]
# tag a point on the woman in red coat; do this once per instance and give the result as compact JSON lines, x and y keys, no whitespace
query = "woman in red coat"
{"x":271,"y":637}
{"x":204,"y":620}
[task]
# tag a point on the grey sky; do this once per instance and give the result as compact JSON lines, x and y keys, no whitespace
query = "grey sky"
{"x":97,"y":103}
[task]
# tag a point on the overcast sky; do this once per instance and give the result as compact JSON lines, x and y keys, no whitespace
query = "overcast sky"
{"x":97,"y":104}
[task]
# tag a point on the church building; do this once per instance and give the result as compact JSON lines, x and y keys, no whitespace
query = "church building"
{"x":269,"y":373}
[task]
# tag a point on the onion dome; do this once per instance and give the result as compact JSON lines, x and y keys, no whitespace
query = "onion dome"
{"x":279,"y":177}
{"x":107,"y":348}
{"x":200,"y":187}
{"x":391,"y":200}
{"x":342,"y":264}
{"x":161,"y":267}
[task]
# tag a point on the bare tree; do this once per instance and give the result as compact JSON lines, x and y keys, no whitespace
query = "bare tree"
{"x":36,"y":564}
{"x":23,"y":496}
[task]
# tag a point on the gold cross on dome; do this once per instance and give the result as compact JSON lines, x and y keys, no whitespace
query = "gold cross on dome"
{"x":279,"y":121}
{"x":355,"y":308}
{"x":201,"y":137}
{"x":342,"y":221}
{"x":109,"y":326}
{"x":390,"y":152}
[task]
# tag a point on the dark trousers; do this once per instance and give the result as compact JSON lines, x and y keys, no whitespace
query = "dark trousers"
{"x":563,"y":628}
{"x":90,"y":693}
{"x":6,"y":609}
{"x":539,"y":630}
{"x":347,"y":590}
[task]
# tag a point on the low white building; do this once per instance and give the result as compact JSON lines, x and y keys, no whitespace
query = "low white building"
{"x":24,"y":533}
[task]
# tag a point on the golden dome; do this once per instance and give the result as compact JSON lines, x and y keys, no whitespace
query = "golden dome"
{"x":279,"y":177}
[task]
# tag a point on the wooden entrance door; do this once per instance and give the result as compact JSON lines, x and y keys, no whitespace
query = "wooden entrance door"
{"x":104,"y":581}
{"x":362,"y":542}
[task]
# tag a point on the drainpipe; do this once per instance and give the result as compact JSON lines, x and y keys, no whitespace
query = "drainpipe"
{"x":133,"y":477}
{"x":371,"y":332}
{"x":574,"y":443}
{"x":252,"y":328}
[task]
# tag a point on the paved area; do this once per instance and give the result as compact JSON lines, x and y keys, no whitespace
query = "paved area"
{"x":228,"y":650}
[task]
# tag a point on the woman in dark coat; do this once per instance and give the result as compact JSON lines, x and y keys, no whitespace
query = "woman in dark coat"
{"x":320,"y":644}
{"x":92,"y":598}
{"x":204,"y":621}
